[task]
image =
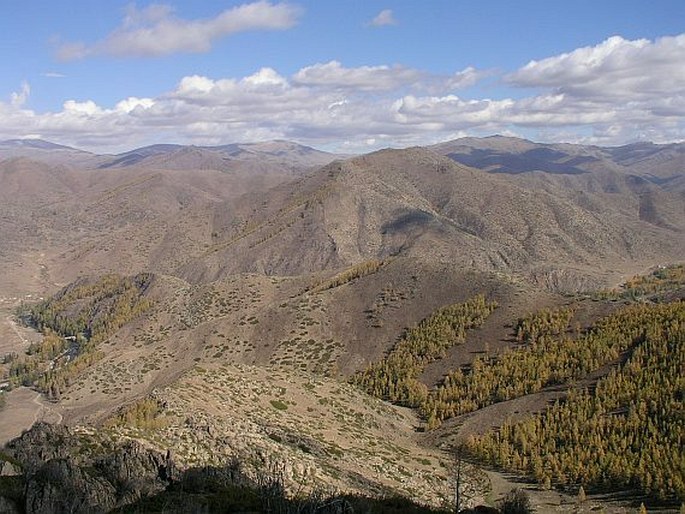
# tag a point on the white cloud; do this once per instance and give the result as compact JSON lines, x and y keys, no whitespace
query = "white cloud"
{"x":333,"y":75}
{"x":365,"y":78}
{"x":53,"y":75}
{"x":266,"y":77}
{"x":616,"y":69}
{"x":347,"y":107}
{"x":625,"y":90}
{"x":195,"y":83}
{"x":132,"y":103}
{"x":384,"y":18}
{"x":464,"y":78}
{"x":19,"y":98}
{"x":86,"y":109}
{"x":155,"y":31}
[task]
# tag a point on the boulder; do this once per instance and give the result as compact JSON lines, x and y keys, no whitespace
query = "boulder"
{"x":61,"y":486}
{"x":42,"y":443}
{"x":8,"y":506}
{"x":136,"y":471}
{"x":7,"y":469}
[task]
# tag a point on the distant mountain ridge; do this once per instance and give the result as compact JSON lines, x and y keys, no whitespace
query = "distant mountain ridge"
{"x":39,"y":144}
{"x":243,"y":156}
{"x":272,"y":276}
{"x":495,"y":204}
{"x":47,"y":152}
{"x":657,"y":163}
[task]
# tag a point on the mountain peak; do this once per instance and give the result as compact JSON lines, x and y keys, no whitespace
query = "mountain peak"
{"x":38,"y":144}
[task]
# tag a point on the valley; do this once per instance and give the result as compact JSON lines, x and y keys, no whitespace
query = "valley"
{"x":222,"y":300}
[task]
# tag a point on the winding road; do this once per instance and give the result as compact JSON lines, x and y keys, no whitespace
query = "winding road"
{"x":13,"y":326}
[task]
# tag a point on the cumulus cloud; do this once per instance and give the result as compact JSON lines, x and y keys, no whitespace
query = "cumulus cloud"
{"x":357,"y":107}
{"x":18,"y":98}
{"x":155,"y":30}
{"x":614,"y":69}
{"x":383,"y":18}
{"x":87,"y":109}
{"x":333,"y":75}
{"x":366,"y":78}
{"x":132,"y":103}
{"x":465,"y":78}
{"x":637,"y":85}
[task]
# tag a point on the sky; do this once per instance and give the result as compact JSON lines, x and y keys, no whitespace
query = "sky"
{"x":341,"y":75}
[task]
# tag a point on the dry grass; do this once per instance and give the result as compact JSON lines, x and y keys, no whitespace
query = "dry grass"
{"x":326,"y":433}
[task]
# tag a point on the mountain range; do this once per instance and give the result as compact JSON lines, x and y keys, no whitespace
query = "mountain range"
{"x":278,"y":264}
{"x":263,"y":156}
{"x":581,"y":215}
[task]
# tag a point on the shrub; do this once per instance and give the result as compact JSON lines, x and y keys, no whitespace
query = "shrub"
{"x":516,"y":501}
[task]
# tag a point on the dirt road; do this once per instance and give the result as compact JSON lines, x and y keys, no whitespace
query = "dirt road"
{"x":24,"y":408}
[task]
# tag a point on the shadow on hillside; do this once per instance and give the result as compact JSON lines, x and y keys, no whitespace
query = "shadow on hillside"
{"x":50,"y":469}
{"x":228,"y":489}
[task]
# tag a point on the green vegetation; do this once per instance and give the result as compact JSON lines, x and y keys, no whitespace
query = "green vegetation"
{"x":663,"y":279}
{"x":547,"y":360}
{"x":627,"y":432}
{"x":73,"y":323}
{"x":91,"y":309}
{"x":396,"y":377}
{"x":145,"y":414}
{"x":279,"y":405}
{"x":543,"y":324}
{"x":516,"y":501}
{"x":2,"y":400}
{"x":550,"y":355}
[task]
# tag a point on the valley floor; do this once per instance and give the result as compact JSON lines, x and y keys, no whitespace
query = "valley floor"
{"x":24,"y":408}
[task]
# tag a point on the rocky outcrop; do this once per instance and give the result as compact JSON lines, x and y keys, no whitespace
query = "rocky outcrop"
{"x":99,"y":476}
{"x":41,"y":444}
{"x":60,"y":486}
{"x":7,"y":469}
{"x":136,"y":471}
{"x":67,"y":472}
{"x":8,"y":506}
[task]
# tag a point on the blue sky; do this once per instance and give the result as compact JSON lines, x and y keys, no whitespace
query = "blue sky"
{"x":341,"y":75}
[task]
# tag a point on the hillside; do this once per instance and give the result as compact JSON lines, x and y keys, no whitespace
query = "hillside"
{"x":564,"y":232}
{"x":48,"y":152}
{"x":660,"y":164}
{"x":286,"y":410}
{"x":417,"y":204}
{"x":233,"y":304}
{"x":68,"y":222}
{"x":273,"y":156}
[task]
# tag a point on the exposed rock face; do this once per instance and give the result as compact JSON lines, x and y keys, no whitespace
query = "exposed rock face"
{"x":42,"y":443}
{"x":136,"y":471}
{"x":61,"y":475}
{"x":7,"y":469}
{"x":8,"y":506}
{"x":61,"y":486}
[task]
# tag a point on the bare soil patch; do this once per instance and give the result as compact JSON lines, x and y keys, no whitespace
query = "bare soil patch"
{"x":20,"y":413}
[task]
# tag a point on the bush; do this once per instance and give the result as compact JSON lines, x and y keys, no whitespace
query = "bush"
{"x":516,"y":501}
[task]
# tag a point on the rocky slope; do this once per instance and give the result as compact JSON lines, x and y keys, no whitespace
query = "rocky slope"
{"x":415,"y":203}
{"x":273,"y":283}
